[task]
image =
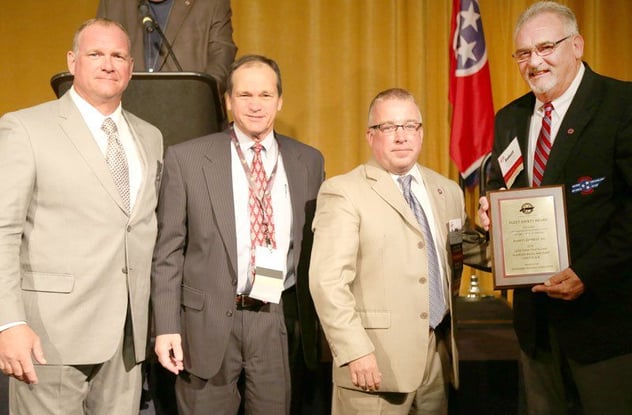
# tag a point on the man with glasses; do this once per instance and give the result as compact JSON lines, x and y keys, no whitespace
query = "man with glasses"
{"x":574,"y":129}
{"x":380,"y":273}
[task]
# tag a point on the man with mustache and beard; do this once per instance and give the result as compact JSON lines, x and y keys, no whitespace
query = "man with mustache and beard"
{"x":575,"y":329}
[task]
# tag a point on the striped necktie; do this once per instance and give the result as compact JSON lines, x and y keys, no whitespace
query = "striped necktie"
{"x":543,"y":146}
{"x":437,"y":302}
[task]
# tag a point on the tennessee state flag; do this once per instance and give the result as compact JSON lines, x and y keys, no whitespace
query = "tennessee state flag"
{"x":470,"y":94}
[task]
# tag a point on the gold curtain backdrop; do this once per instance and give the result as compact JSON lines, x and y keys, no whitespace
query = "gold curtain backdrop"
{"x":335,"y":55}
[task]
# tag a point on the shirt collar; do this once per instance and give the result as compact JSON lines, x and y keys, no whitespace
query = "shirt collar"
{"x":414,"y":171}
{"x":245,"y":142}
{"x":91,"y":115}
{"x":561,"y":104}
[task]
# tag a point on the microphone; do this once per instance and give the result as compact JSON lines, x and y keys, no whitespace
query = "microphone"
{"x":151,"y":25}
{"x":146,"y":18}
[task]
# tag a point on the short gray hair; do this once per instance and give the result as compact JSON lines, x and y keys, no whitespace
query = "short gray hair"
{"x":98,"y":21}
{"x":565,"y":14}
{"x":391,"y":93}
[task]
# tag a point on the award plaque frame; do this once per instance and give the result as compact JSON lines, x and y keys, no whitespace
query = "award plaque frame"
{"x":529,"y":235}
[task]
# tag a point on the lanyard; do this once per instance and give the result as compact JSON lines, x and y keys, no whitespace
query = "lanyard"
{"x":259,"y":194}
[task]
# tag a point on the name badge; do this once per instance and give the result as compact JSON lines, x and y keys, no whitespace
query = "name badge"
{"x":511,"y":162}
{"x":455,"y":240}
{"x":269,"y":273}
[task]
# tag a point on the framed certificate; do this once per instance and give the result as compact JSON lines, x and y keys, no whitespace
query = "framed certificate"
{"x":529,"y":235}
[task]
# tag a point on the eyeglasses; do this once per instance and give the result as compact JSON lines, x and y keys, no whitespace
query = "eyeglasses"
{"x":390,"y":128}
{"x":541,"y":49}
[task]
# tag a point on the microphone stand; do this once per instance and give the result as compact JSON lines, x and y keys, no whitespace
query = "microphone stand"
{"x":151,"y":25}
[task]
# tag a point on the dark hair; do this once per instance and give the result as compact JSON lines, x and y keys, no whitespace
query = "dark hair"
{"x":250,"y":60}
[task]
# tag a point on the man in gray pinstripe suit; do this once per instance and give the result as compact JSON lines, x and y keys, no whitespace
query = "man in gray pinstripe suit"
{"x":209,"y":329}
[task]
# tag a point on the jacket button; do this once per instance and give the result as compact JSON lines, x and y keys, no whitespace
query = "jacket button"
{"x":422,"y":280}
{"x":420,"y":245}
{"x":124,"y":270}
{"x":129,"y":228}
{"x":229,"y":313}
{"x":234,"y":282}
{"x":424,"y":315}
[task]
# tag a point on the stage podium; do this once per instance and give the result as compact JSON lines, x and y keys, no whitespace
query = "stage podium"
{"x":183,"y":105}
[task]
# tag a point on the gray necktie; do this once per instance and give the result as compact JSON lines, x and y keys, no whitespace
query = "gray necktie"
{"x":437,"y":302}
{"x":116,"y":160}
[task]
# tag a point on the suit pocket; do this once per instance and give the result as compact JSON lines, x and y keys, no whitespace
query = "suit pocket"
{"x":41,"y":281}
{"x":375,"y":319}
{"x":193,"y":298}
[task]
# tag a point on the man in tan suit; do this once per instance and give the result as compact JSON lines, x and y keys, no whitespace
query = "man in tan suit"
{"x":79,"y":179}
{"x":380,"y":279}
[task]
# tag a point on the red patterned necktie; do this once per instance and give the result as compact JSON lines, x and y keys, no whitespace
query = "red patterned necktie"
{"x":260,"y":206}
{"x":543,"y":146}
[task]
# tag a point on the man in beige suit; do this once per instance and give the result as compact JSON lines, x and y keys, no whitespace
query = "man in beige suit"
{"x":79,"y":179}
{"x":380,"y":279}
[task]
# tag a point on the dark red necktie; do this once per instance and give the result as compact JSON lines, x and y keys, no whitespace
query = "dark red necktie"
{"x":543,"y":146}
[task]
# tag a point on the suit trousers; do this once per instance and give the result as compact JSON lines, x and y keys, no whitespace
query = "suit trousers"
{"x":431,"y":397}
{"x":558,"y":385}
{"x":112,"y":387}
{"x":257,"y":346}
{"x":311,"y":389}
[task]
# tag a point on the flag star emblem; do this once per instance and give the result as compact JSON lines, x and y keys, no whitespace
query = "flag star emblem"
{"x":586,"y":185}
{"x":466,"y":50}
{"x":472,"y":124}
{"x":470,"y":18}
{"x":469,"y":40}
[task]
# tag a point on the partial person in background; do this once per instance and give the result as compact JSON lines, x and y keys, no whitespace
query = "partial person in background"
{"x":229,"y":281}
{"x":79,"y":179}
{"x":574,"y":129}
{"x":199,"y":31}
{"x":201,"y":36}
{"x":380,"y":272}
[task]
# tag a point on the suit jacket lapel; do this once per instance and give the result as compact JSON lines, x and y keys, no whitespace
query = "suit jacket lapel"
{"x":385,"y":187}
{"x":146,"y":172}
{"x":436,"y":195}
{"x":79,"y":134}
{"x":586,"y":101}
{"x":179,"y":12}
{"x":137,"y":37}
{"x":297,"y":181}
{"x":521,"y":130}
{"x":219,"y":183}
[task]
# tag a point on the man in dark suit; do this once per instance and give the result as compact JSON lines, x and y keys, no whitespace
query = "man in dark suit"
{"x":223,"y":260}
{"x":575,"y":329}
{"x":200,"y":33}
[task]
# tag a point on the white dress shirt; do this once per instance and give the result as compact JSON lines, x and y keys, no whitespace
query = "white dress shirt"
{"x":94,"y":120}
{"x":418,"y":188}
{"x":281,"y":206}
{"x":560,"y":106}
